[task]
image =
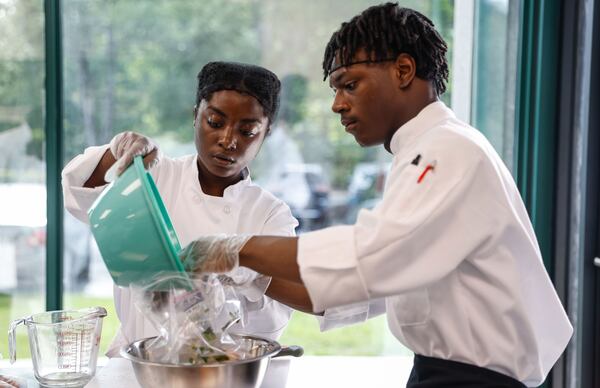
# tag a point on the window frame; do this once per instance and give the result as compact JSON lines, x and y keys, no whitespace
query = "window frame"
{"x":53,"y":128}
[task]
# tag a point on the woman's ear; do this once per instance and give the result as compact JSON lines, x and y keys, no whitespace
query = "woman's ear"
{"x":405,"y":70}
{"x":195,"y":113}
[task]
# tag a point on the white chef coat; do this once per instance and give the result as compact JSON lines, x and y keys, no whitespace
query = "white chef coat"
{"x":455,"y":255}
{"x":245,"y":208}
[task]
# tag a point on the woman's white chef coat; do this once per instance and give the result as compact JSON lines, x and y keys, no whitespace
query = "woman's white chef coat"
{"x":245,"y":208}
{"x":452,"y":250}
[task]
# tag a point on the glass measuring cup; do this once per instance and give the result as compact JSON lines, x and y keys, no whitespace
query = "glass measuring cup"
{"x":63,"y":343}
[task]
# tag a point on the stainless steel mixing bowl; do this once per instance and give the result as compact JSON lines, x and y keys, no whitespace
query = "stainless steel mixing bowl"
{"x":247,"y":372}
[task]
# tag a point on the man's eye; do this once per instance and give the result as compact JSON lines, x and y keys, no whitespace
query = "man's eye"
{"x":350,"y":85}
{"x":248,"y":132}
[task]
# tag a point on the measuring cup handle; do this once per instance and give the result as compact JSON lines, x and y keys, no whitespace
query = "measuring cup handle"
{"x":12,"y":339}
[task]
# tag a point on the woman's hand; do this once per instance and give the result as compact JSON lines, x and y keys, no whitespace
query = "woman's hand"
{"x":127,"y":145}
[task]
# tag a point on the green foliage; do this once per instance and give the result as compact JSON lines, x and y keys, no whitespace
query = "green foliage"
{"x":35,"y":120}
{"x":358,"y":340}
{"x":4,"y":125}
{"x":133,"y":65}
{"x":35,"y":147}
{"x":5,"y":319}
{"x":294,"y":89}
{"x":21,"y":76}
{"x":299,"y":50}
{"x":21,"y":85}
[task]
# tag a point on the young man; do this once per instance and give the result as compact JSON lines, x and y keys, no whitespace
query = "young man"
{"x":450,"y":247}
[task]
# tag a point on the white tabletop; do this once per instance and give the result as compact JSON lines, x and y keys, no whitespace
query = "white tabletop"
{"x":118,"y":372}
{"x":306,"y":371}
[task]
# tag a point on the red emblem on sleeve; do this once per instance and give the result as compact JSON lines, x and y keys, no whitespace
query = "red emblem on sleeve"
{"x":429,"y":167}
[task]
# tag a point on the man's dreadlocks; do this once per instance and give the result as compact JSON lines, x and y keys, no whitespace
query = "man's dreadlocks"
{"x":386,"y":31}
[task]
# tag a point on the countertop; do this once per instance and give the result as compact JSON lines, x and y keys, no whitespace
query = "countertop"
{"x":119,"y":373}
{"x":306,"y":371}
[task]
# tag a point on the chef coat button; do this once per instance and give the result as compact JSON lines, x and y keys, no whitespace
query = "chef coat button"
{"x":227,"y":209}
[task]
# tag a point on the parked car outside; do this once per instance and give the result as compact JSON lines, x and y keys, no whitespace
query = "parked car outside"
{"x":366,"y":187}
{"x":306,"y":190}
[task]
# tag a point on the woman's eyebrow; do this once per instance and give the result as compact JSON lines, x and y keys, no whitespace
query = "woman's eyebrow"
{"x":218,"y":111}
{"x":250,"y":121}
{"x":245,"y":121}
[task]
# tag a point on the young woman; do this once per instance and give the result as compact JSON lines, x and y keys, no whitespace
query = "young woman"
{"x":207,"y":193}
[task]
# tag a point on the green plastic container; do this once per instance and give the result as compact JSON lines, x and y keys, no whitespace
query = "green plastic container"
{"x":133,"y":231}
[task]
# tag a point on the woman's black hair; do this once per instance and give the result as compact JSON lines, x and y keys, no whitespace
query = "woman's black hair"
{"x":253,"y":80}
{"x":386,"y":31}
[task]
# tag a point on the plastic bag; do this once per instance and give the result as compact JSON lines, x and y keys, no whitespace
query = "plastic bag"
{"x":193,"y":323}
{"x":247,"y":283}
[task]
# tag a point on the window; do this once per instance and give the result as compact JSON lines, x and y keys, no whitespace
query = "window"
{"x":495,"y":73}
{"x":22,"y":165}
{"x":132,"y":66}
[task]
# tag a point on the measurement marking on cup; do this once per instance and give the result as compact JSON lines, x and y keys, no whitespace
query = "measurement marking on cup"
{"x":63,"y":346}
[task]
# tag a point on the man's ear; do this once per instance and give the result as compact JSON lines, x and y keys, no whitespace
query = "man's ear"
{"x":405,"y":70}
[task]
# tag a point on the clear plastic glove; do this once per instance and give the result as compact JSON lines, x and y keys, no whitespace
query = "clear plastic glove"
{"x":247,"y":283}
{"x":127,"y":145}
{"x":217,"y":253}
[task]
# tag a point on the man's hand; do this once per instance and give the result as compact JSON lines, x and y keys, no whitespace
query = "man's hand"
{"x":127,"y":145}
{"x":218,"y":253}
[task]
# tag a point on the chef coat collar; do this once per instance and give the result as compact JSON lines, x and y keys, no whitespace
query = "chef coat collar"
{"x":428,"y":117}
{"x":235,"y":189}
{"x":230,"y":191}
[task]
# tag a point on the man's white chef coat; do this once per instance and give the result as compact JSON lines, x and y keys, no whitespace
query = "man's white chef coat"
{"x":245,"y":208}
{"x":451,"y":248}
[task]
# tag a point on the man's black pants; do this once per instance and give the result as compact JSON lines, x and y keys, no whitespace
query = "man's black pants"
{"x":431,"y":372}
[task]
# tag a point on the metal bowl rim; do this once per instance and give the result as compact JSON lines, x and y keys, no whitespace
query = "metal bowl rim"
{"x":125,"y":354}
